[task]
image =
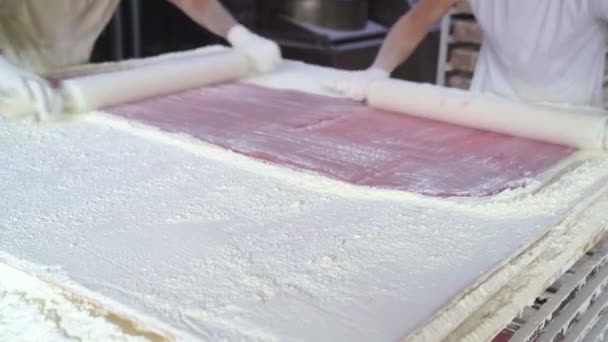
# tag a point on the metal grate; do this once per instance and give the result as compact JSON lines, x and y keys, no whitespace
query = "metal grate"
{"x":574,"y":308}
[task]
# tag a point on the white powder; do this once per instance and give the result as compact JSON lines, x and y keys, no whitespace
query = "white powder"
{"x":32,"y":310}
{"x":222,"y":247}
{"x":218,"y":245}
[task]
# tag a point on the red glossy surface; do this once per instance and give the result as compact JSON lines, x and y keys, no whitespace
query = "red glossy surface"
{"x":348,"y":141}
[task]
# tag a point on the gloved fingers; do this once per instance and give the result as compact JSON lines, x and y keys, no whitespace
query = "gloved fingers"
{"x":53,"y":106}
{"x":339,"y":84}
{"x":260,"y":62}
{"x":40,"y":99}
{"x":265,"y":55}
{"x":357,"y":90}
{"x":43,"y":97}
{"x":355,"y":85}
{"x":332,"y":85}
{"x":351,"y":86}
{"x":24,"y":93}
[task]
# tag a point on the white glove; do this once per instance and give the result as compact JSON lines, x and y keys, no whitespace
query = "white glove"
{"x":28,"y":93}
{"x":355,"y":84}
{"x":264,"y":54}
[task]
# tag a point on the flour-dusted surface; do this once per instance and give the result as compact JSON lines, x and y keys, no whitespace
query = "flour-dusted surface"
{"x":210,"y":245}
{"x":32,"y":310}
{"x":220,"y":246}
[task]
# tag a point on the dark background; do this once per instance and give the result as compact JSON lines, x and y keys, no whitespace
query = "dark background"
{"x":163,"y":28}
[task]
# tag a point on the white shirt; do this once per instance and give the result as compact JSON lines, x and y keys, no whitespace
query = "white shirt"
{"x":542,"y":50}
{"x":46,"y":34}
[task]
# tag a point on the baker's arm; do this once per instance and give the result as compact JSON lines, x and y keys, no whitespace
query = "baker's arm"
{"x":209,"y":14}
{"x":409,"y":31}
{"x":400,"y":43}
{"x":25,"y":93}
{"x":262,"y":53}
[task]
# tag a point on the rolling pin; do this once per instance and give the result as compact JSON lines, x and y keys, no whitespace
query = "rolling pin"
{"x":584,"y":128}
{"x":91,"y":92}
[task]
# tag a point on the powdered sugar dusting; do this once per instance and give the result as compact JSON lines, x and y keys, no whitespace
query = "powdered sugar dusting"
{"x":219,"y":246}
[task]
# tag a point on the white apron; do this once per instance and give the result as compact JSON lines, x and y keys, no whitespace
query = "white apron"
{"x":542,"y":50}
{"x":42,"y":35}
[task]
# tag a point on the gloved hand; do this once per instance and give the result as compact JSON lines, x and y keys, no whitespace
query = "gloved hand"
{"x":264,"y":54}
{"x":355,"y":84}
{"x":28,"y":93}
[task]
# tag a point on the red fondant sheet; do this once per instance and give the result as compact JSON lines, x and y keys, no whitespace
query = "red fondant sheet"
{"x":348,"y":141}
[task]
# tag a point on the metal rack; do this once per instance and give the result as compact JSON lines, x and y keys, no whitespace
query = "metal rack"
{"x":459,"y":47}
{"x":574,"y":308}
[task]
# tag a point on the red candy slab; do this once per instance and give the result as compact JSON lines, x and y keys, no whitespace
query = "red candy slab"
{"x":349,"y":141}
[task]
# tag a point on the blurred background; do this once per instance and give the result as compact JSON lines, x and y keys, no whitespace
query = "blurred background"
{"x":340,"y":33}
{"x":344,"y":34}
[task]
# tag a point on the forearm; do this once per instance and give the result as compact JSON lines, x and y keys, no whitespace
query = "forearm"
{"x":408,"y":32}
{"x":209,"y":14}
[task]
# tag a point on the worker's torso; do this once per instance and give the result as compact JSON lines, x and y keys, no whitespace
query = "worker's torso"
{"x":542,"y":50}
{"x":46,"y":34}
